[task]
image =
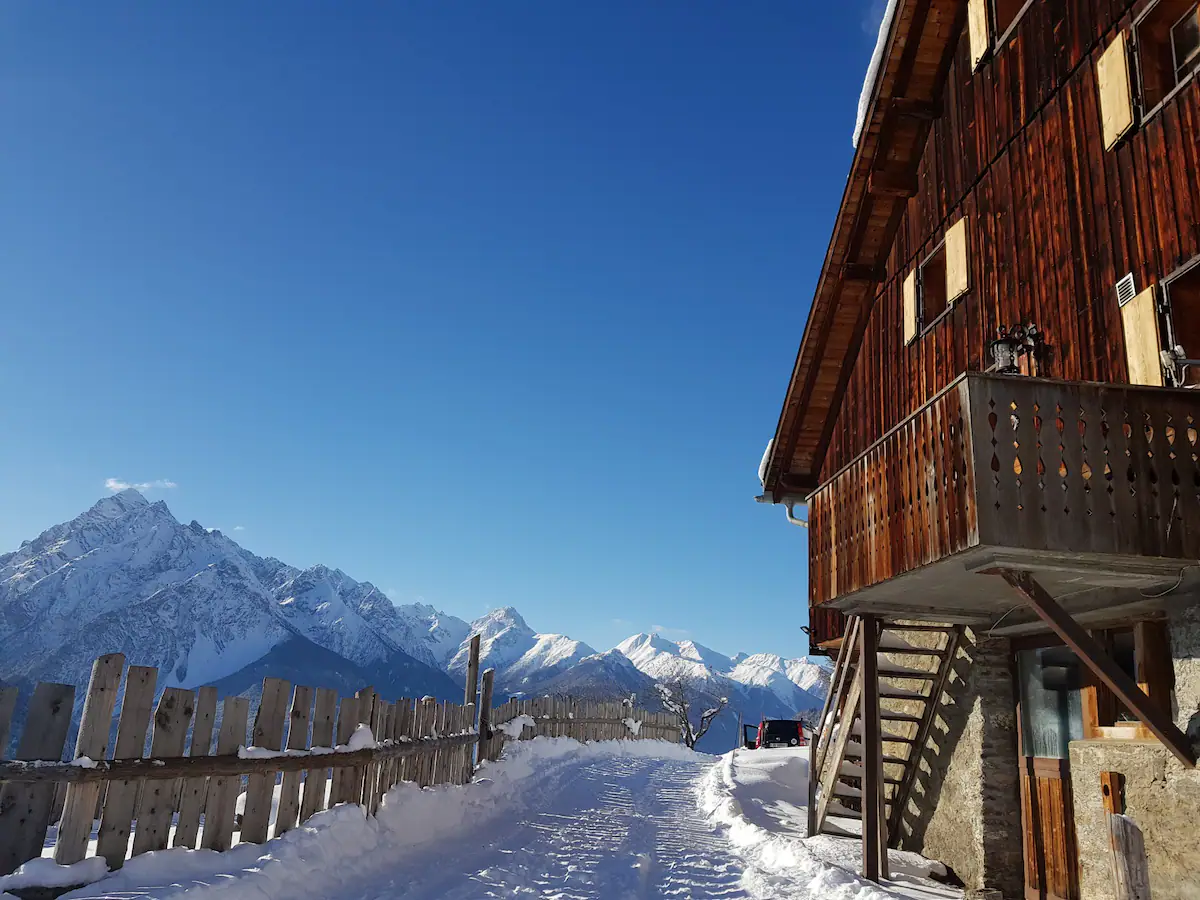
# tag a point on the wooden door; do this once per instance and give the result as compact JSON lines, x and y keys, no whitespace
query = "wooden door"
{"x":1048,"y":819}
{"x":1050,"y":714}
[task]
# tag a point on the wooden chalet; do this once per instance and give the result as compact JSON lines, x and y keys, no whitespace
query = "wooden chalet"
{"x":993,"y":424}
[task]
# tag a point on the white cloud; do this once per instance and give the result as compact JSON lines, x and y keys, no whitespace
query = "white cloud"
{"x":117,"y":484}
{"x":239,"y":527}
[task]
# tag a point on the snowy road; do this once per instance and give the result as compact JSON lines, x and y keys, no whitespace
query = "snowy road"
{"x":608,"y":827}
{"x":555,"y":820}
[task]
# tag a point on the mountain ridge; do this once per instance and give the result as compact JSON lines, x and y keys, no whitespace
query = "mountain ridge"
{"x":126,"y":576}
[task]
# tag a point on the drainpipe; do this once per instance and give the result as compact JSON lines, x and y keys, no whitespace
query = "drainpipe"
{"x":791,"y":516}
{"x":789,"y":505}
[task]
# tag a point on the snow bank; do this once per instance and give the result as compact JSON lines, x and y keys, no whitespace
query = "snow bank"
{"x":47,"y":873}
{"x":868,"y":88}
{"x":513,"y":727}
{"x":755,"y":794}
{"x":311,"y":860}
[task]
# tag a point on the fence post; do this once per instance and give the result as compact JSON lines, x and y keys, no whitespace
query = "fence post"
{"x":485,"y":717}
{"x":472,"y":692}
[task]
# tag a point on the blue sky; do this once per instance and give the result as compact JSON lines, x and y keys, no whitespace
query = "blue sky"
{"x":486,"y":303}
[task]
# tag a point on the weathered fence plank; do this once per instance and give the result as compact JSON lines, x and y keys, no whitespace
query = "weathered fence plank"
{"x":316,"y":781}
{"x":193,"y":790}
{"x":223,"y":790}
{"x":268,"y":734}
{"x":288,"y":813}
{"x":116,"y":819}
{"x":485,"y":715}
{"x":79,"y":810}
{"x":25,"y":808}
{"x":8,"y":705}
{"x":169,"y":737}
{"x":342,"y":778}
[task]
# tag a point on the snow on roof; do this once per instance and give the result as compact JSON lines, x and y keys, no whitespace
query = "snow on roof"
{"x":766,"y":457}
{"x":868,"y":88}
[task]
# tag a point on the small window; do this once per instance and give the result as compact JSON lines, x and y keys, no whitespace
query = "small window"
{"x":1182,"y":301}
{"x":1006,"y":13}
{"x":1168,"y":48}
{"x":932,"y":286}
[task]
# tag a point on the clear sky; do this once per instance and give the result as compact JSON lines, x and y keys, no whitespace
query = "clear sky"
{"x":489,"y":303}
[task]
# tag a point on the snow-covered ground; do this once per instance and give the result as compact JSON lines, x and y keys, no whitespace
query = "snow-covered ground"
{"x":556,"y":819}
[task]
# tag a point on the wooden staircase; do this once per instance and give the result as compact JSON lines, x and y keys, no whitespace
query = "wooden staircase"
{"x":878,"y":715}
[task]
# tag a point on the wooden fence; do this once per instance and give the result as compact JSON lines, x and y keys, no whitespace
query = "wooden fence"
{"x":308,"y":745}
{"x":582,"y":720}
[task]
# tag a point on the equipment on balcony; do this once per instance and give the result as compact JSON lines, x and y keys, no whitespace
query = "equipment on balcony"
{"x":1011,"y":345}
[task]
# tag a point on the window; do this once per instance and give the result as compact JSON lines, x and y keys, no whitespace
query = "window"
{"x":931,"y":286}
{"x":1005,"y":14}
{"x":1167,"y":37}
{"x":989,"y":23}
{"x":1143,"y":652}
{"x":1181,"y":299}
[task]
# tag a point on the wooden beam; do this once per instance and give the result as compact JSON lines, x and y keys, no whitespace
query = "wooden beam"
{"x":873,"y":848}
{"x":18,"y":772}
{"x":837,"y":751}
{"x":833,"y":700}
{"x":914,"y":108}
{"x":472,"y":690}
{"x":864,"y":272}
{"x":1086,"y":648}
{"x":892,"y":183}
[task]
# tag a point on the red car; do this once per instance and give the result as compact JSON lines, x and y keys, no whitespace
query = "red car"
{"x":774,"y":733}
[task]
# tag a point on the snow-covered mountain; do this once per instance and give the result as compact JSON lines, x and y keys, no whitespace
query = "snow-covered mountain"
{"x":522,"y":658}
{"x":127,"y":576}
{"x":757,"y":686}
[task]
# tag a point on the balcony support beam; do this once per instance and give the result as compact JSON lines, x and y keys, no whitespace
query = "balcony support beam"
{"x":1093,"y":656}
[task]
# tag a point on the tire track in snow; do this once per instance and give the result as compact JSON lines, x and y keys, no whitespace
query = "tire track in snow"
{"x":609,"y":827}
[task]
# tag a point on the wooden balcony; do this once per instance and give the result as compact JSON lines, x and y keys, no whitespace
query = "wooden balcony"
{"x":1095,"y":487}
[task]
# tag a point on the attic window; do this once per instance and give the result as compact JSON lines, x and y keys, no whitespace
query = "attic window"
{"x":932,"y":286}
{"x":1168,"y":48}
{"x":1006,"y":14}
{"x":1182,"y":301}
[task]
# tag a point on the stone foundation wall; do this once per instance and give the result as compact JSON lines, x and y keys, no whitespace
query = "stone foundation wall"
{"x":1161,"y":795}
{"x":965,"y":807}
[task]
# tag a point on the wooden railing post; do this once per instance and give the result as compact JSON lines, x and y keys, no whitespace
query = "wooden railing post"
{"x":485,"y":716}
{"x":472,"y":691}
{"x":874,"y":846}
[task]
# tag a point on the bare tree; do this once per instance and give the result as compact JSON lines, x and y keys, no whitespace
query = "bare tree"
{"x":682,"y":695}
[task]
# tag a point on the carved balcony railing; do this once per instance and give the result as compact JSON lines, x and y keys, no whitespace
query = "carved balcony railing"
{"x":1096,"y":486}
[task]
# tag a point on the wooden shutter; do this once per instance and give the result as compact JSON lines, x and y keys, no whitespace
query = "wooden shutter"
{"x":910,"y":306}
{"x":977,"y":27}
{"x":1140,"y":319}
{"x":1116,"y":96}
{"x":958,"y":272}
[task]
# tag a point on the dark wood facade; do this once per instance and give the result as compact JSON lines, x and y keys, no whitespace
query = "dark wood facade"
{"x":1054,"y":219}
{"x":1011,"y":151}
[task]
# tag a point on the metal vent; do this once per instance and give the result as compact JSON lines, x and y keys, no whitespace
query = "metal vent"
{"x":1126,"y":290}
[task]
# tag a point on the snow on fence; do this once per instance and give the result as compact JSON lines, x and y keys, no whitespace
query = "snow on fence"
{"x":582,"y":720}
{"x":308,"y":750}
